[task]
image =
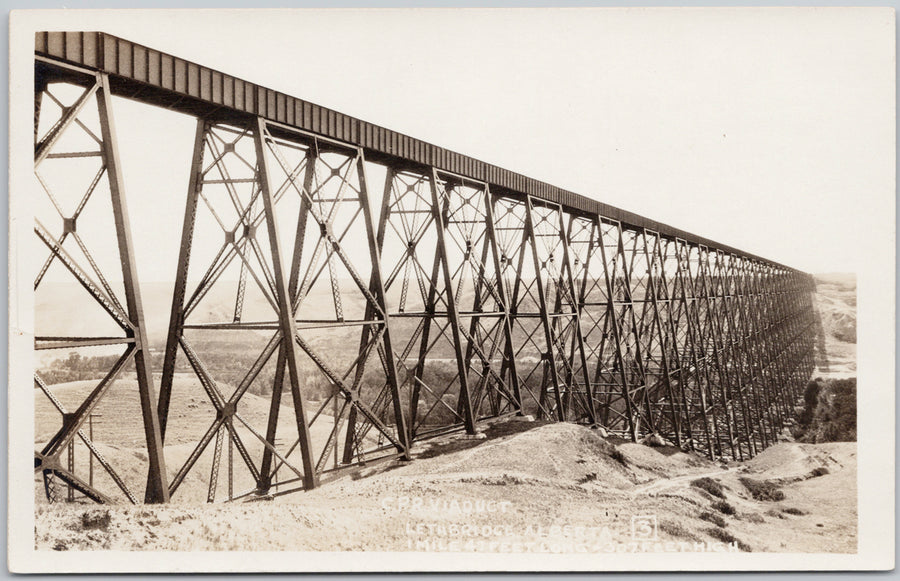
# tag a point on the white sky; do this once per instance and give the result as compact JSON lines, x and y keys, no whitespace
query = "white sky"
{"x":768,"y":130}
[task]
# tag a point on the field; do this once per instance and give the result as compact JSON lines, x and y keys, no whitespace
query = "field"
{"x":556,"y":487}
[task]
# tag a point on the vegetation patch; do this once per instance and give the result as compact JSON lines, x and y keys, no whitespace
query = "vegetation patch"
{"x":762,"y":490}
{"x":754,"y":518}
{"x":677,"y":530}
{"x":820,"y":471}
{"x":724,"y":507}
{"x":713,"y":518}
{"x":588,"y":478}
{"x":96,"y":519}
{"x":829,"y":412}
{"x":619,"y":457}
{"x":502,"y":480}
{"x":710,"y":486}
{"x":78,"y":368}
{"x":726,"y":537}
{"x":794,"y":511}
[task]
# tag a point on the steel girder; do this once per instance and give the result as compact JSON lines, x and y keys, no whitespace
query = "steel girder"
{"x":469,"y":305}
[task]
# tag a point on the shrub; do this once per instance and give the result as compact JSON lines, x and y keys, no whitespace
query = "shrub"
{"x":618,"y":457}
{"x":762,"y":489}
{"x":96,"y":519}
{"x":810,"y":400}
{"x":709,"y":485}
{"x":794,"y":511}
{"x":723,"y":507}
{"x":677,"y":530}
{"x":588,"y":478}
{"x":811,"y":394}
{"x":726,"y":537}
{"x":829,"y":413}
{"x":713,"y":518}
{"x":820,"y":471}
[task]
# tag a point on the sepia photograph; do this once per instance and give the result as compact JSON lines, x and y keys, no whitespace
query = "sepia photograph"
{"x":584,"y":289}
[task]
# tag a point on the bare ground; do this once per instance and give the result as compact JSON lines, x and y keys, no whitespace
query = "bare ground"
{"x":531,"y":486}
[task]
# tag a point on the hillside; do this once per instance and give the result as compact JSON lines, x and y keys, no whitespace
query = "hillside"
{"x":836,"y":304}
{"x":550,"y":487}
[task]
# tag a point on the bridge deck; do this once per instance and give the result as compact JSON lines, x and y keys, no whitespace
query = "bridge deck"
{"x":150,"y":76}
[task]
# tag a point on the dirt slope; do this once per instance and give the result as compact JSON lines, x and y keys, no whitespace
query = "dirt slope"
{"x":530,"y":487}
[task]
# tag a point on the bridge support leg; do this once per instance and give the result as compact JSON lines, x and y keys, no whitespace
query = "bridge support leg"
{"x":656,"y":285}
{"x":289,"y":348}
{"x":440,"y":209}
{"x":130,"y":317}
{"x":613,"y":273}
{"x":577,"y":354}
{"x":551,"y":366}
{"x":380,"y":308}
{"x":157,"y":491}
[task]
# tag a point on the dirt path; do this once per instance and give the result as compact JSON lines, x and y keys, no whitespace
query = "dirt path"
{"x":679,"y":481}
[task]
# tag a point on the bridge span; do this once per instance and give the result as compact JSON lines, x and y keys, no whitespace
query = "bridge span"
{"x":370,"y":317}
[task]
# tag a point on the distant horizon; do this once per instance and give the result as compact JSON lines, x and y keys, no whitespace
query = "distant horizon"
{"x":227,"y":280}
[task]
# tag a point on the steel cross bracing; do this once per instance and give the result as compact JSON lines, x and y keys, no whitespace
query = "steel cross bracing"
{"x":376,"y":318}
{"x":79,"y":127}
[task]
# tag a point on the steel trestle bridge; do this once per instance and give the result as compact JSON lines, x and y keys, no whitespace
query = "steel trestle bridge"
{"x":471,"y":293}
